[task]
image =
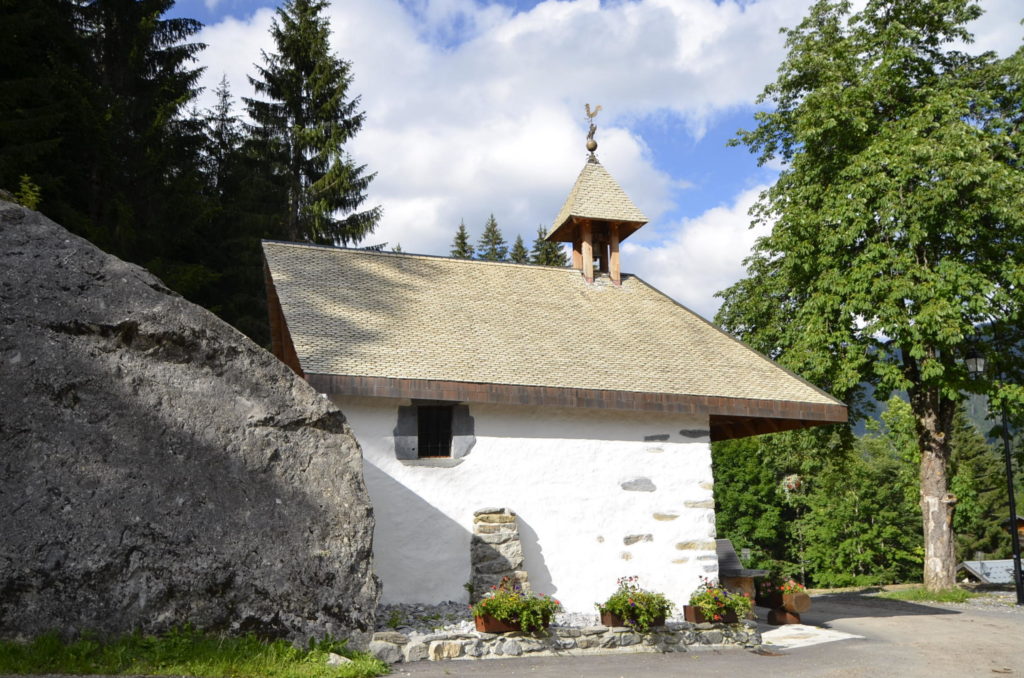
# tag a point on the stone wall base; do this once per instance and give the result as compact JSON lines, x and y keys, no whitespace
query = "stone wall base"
{"x":562,"y":641}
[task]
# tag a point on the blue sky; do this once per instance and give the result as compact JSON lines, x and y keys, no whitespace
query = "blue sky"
{"x":476,"y":107}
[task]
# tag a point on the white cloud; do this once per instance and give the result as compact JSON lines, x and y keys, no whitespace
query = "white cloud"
{"x":703,"y":257}
{"x":494,"y":123}
{"x":473,"y":109}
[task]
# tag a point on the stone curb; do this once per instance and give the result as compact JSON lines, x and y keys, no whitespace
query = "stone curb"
{"x":562,"y":641}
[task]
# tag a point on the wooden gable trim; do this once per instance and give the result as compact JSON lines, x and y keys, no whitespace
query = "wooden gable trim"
{"x":729,"y":417}
{"x":280,"y":338}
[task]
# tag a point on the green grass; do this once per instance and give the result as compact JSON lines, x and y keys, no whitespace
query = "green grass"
{"x":954,"y":595}
{"x":185,"y":652}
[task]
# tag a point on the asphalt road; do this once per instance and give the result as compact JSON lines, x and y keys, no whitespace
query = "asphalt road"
{"x":906,"y":640}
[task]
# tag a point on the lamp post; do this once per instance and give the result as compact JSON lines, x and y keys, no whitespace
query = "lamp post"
{"x":976,"y":366}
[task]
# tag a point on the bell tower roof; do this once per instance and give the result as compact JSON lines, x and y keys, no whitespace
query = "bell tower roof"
{"x":596,"y":216}
{"x":596,"y":196}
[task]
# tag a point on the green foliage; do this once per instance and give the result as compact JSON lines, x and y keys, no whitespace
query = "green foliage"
{"x":184,"y":652}
{"x":862,"y":523}
{"x":395,"y":619}
{"x":637,"y":607}
{"x":952,"y":595}
{"x":897,"y":222}
{"x":750,"y":508}
{"x":509,"y":603}
{"x":714,"y":602}
{"x":302,"y":126}
{"x":29,"y":194}
{"x":518,"y":253}
{"x":979,"y":483}
{"x":545,"y":253}
{"x":461,"y":247}
{"x":492,"y":245}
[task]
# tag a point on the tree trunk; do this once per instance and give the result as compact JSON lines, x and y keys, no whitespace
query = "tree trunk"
{"x":934,"y":423}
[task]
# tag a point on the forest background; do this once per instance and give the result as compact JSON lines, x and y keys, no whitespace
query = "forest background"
{"x":99,"y":130}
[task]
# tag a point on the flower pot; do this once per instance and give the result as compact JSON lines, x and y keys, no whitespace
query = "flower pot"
{"x":612,"y":619}
{"x":770,"y":600}
{"x":694,"y":616}
{"x":489,"y":624}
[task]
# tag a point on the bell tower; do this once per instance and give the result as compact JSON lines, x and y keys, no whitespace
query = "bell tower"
{"x":596,"y":217}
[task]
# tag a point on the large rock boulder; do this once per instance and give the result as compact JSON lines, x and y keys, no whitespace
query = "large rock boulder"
{"x":157,"y":467}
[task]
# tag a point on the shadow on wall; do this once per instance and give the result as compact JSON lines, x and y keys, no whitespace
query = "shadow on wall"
{"x":420,"y":554}
{"x":533,"y":556}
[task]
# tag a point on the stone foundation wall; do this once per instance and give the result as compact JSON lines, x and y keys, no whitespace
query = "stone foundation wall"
{"x":394,"y":647}
{"x":495,"y":551}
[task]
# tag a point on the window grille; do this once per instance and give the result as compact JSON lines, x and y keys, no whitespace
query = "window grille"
{"x":434,"y":423}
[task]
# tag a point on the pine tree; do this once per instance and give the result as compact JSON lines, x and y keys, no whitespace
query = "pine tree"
{"x":518,"y":253}
{"x":461,"y":247}
{"x":303,"y":127}
{"x":240,"y":210}
{"x":141,"y":169}
{"x":546,"y":253}
{"x":41,"y":91}
{"x":492,"y":246}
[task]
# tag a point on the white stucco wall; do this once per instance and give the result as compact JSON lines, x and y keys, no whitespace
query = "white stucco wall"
{"x":562,"y":472}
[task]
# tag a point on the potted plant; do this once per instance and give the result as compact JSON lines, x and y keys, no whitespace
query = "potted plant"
{"x":712,"y":603}
{"x":507,"y":607}
{"x":790,"y":594}
{"x":632,"y":606}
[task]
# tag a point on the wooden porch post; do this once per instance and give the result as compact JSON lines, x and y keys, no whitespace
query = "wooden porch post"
{"x":613,"y":237}
{"x":588,"y":251}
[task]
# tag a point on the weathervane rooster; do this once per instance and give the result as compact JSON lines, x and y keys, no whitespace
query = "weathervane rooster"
{"x":591,"y":114}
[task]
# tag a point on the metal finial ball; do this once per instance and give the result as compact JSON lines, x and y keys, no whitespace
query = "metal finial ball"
{"x":591,"y":145}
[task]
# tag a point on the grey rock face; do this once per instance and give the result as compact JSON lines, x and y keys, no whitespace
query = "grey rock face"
{"x":157,"y":467}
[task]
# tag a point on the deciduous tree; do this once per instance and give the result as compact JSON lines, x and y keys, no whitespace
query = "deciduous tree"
{"x":897,"y":221}
{"x":894,"y":220}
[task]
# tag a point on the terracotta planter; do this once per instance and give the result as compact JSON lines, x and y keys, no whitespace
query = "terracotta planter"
{"x":694,"y":616}
{"x":489,"y":624}
{"x":612,"y":619}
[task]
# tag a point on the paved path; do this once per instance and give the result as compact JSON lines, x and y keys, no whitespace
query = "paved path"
{"x":892,"y":638}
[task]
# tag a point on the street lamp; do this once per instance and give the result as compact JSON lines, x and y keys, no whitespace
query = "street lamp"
{"x":976,"y":366}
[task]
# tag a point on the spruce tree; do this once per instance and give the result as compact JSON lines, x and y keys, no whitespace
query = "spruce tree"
{"x":41,"y":90}
{"x":461,"y":247}
{"x":239,"y":214}
{"x":303,"y":126}
{"x":492,"y":245}
{"x":546,"y":253}
{"x":518,"y":253}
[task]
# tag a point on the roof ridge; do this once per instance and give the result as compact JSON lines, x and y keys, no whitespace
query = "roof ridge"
{"x":415,"y":255}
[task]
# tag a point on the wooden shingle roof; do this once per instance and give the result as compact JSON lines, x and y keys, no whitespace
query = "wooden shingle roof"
{"x":596,"y":195}
{"x":411,"y":326}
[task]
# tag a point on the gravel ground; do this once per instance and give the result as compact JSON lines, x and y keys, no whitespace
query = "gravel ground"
{"x":997,"y":601}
